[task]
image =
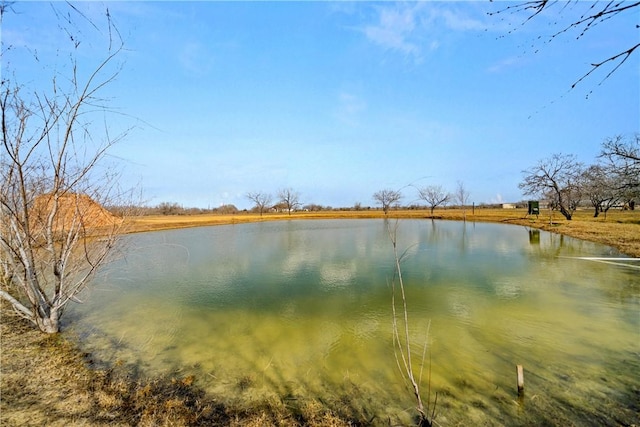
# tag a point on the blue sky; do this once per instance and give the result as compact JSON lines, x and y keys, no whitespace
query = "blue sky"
{"x":338,"y":100}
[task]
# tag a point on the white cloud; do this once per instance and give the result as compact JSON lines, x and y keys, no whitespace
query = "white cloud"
{"x":414,"y":27}
{"x":394,"y":28}
{"x":460,"y":22}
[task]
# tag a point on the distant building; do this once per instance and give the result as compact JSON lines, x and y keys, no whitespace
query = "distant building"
{"x":508,"y":206}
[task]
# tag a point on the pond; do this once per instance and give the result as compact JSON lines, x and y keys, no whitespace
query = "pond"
{"x":293,"y":310}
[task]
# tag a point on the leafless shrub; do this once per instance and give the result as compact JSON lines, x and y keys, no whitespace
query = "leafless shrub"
{"x":402,"y":340}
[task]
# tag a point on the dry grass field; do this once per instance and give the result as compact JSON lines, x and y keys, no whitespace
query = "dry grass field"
{"x":620,"y":229}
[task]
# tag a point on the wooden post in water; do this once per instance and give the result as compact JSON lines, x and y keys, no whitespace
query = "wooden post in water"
{"x":520,"y":373}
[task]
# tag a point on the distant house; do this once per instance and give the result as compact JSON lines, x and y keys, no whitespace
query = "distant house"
{"x":508,"y":206}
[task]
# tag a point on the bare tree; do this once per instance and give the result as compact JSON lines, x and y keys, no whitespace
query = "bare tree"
{"x":261,"y":200}
{"x":289,"y":199}
{"x":557,"y":178}
{"x":601,"y":188}
{"x":54,"y":234}
{"x":170,"y":208}
{"x":621,"y":159}
{"x":461,"y":196}
{"x":227,"y":209}
{"x":587,"y":16}
{"x":387,"y":198}
{"x":315,"y":207}
{"x":434,"y":195}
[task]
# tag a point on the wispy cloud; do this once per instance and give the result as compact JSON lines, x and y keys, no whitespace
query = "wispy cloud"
{"x":457,"y":21}
{"x":413,"y":29}
{"x":395,"y":28}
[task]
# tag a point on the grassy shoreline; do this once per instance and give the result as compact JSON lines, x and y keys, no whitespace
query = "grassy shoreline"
{"x":48,"y":380}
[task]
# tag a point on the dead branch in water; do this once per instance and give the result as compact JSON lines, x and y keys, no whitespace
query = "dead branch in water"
{"x":402,"y":341}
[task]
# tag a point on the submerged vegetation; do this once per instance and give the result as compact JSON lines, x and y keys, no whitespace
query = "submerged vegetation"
{"x":47,"y":380}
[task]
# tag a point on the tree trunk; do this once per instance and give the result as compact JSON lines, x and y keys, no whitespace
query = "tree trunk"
{"x":51,"y":324}
{"x":597,"y":212}
{"x":566,"y":213}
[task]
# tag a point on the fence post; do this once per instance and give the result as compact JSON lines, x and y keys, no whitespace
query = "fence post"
{"x":520,"y":373}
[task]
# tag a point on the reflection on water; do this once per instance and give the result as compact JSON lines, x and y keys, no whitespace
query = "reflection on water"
{"x":303,"y":309}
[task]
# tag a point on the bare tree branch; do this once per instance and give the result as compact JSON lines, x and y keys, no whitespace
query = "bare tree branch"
{"x":596,"y":13}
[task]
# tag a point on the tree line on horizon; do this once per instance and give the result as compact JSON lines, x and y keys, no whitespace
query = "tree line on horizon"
{"x":385,"y":200}
{"x":560,"y":182}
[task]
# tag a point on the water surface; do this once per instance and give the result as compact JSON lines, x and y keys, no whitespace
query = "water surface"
{"x":279,"y":311}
